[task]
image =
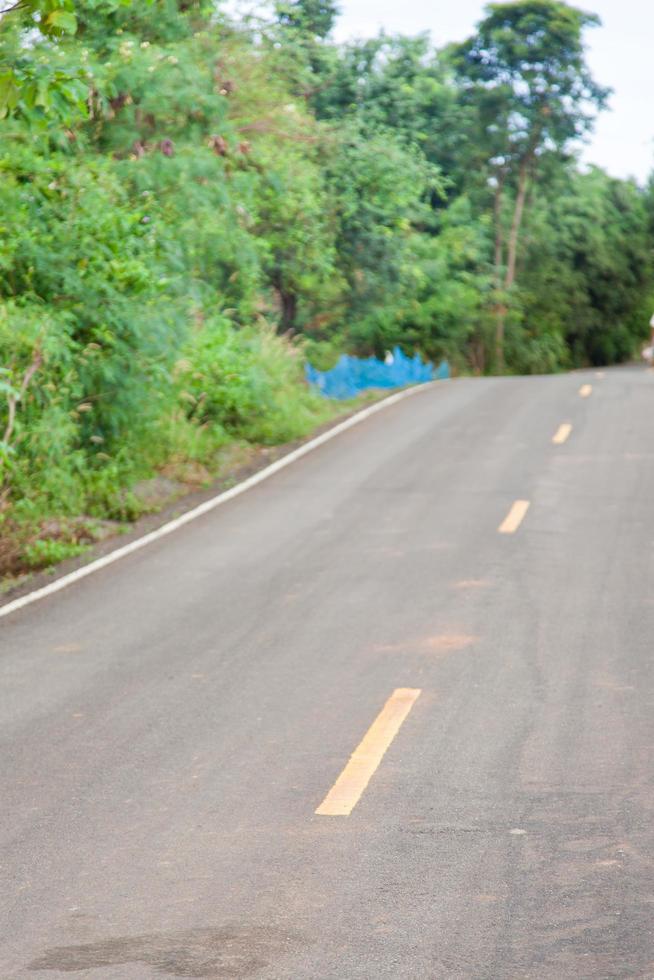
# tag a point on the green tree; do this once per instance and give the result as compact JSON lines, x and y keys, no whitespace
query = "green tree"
{"x":381,"y":189}
{"x":399,"y":85}
{"x":525,"y":73}
{"x":179,"y":193}
{"x":309,"y":18}
{"x":586,"y":275}
{"x":445,"y":309}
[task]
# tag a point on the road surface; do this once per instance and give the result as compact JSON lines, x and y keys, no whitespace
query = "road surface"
{"x":443,"y":592}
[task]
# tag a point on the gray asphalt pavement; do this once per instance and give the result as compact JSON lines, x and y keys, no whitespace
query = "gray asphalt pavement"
{"x":171,"y":723}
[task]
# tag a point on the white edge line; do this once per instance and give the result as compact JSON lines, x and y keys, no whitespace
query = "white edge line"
{"x":208,"y":505}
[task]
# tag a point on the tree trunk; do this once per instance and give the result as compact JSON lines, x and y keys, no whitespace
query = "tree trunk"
{"x":518,"y":211}
{"x":500,"y":309}
{"x":500,"y":321}
{"x":512,"y":253}
{"x":499,"y":237}
{"x":289,"y":310}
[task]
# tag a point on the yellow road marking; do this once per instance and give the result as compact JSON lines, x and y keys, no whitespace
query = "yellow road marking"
{"x":514,"y":518}
{"x":348,"y":788}
{"x":585,"y":390}
{"x":471,"y":583}
{"x":561,"y":434}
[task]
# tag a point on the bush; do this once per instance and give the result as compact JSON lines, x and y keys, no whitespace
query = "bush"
{"x":248,"y":383}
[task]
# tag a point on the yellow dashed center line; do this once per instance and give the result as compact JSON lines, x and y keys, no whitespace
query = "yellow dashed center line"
{"x":348,"y":788}
{"x":585,"y":390}
{"x":561,"y":434}
{"x":514,"y":518}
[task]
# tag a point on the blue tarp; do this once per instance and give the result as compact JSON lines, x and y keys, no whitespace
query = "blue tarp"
{"x":354,"y":374}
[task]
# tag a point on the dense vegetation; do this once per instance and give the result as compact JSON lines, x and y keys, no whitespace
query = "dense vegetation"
{"x":190,"y":206}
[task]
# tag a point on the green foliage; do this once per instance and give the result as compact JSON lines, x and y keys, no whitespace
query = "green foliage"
{"x":399,"y":86}
{"x":145,"y":235}
{"x":525,"y":77}
{"x":382,"y":188}
{"x":309,"y":18}
{"x":191,"y":207}
{"x":588,"y":268}
{"x":296,"y":227}
{"x":525,"y":68}
{"x":248,"y":383}
{"x":52,"y":18}
{"x":47,"y":551}
{"x":322,"y":354}
{"x":30,"y":86}
{"x":446,"y":312}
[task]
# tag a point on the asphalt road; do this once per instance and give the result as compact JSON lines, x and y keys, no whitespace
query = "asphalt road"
{"x":171,"y":724}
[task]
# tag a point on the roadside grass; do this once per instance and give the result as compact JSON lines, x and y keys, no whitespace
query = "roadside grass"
{"x":188,"y":456}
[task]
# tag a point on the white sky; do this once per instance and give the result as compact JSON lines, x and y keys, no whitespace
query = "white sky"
{"x":621,"y":55}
